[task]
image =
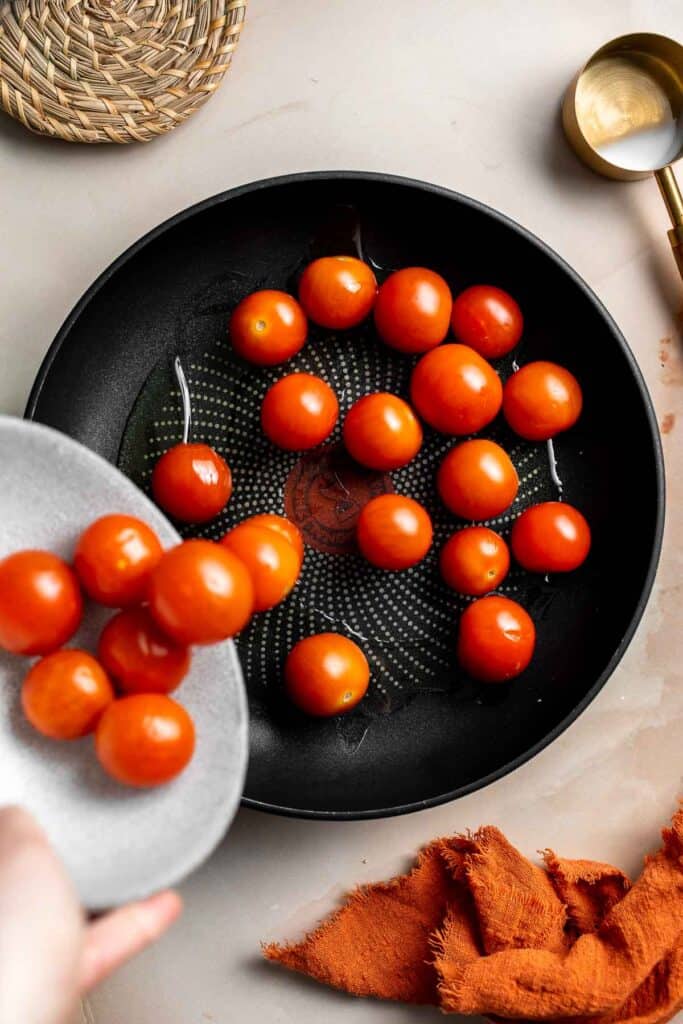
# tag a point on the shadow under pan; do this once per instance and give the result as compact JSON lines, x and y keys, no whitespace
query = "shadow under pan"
{"x":424,"y":734}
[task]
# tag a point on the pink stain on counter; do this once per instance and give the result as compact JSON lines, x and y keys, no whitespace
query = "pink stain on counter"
{"x":671,"y":362}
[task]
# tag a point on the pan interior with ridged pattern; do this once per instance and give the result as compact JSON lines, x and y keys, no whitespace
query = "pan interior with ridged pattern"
{"x":424,"y":731}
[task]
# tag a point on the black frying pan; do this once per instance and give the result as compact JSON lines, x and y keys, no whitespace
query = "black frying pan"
{"x":424,"y":734}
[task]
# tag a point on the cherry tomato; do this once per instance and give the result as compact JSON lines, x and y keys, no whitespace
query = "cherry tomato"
{"x":477,"y":480}
{"x":496,"y":639}
{"x":488,"y":320}
{"x":455,"y":390}
{"x":40,"y":602}
{"x":337,"y":291}
{"x":551,"y":537}
{"x":381,"y":431}
{"x":192,"y":483}
{"x":394,"y":532}
{"x":474,"y":561}
{"x":64,"y":694}
{"x":541,"y":400}
{"x":141,"y":658}
{"x":326,"y":674}
{"x":272,"y":561}
{"x":114,"y":558}
{"x":299,"y":411}
{"x":282,"y":525}
{"x":145,"y":739}
{"x":200,"y":593}
{"x":413,"y":310}
{"x":268,"y":327}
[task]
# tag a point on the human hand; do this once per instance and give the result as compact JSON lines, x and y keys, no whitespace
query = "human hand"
{"x":49,"y":953}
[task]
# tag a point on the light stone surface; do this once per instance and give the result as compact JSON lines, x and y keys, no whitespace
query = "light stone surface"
{"x":464,"y":93}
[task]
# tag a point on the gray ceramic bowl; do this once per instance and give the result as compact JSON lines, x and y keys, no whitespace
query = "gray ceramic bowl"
{"x":117,"y":843}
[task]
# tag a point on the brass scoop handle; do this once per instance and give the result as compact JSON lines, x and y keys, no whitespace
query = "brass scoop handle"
{"x":671,"y":194}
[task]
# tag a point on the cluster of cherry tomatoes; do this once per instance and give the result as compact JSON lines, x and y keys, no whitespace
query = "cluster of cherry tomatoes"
{"x":455,"y":390}
{"x":198,"y":592}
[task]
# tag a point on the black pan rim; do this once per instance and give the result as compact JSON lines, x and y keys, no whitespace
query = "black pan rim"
{"x":655,"y":439}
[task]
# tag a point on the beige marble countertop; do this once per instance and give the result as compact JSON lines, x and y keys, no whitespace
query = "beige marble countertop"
{"x":463,"y":93}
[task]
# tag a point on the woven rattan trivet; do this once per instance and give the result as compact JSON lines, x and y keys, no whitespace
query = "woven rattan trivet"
{"x":113,"y":70}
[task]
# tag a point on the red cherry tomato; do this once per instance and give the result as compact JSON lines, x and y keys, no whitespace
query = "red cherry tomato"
{"x":337,"y":291}
{"x":114,"y":558}
{"x":551,"y":537}
{"x":141,"y":658}
{"x":64,"y":694}
{"x":201,"y":593}
{"x":488,"y":320}
{"x":477,"y":480}
{"x":285,"y":527}
{"x":455,"y":390}
{"x":326,"y":674}
{"x":474,"y":561}
{"x":496,"y":639}
{"x":272,"y":561}
{"x":40,"y":602}
{"x":394,"y":532}
{"x":381,"y":431}
{"x":145,"y":739}
{"x":192,"y":483}
{"x":541,"y":400}
{"x":413,"y":310}
{"x":299,"y":412}
{"x":268,"y":327}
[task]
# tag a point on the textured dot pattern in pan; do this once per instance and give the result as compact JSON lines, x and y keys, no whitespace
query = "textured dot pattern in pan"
{"x":406,"y":621}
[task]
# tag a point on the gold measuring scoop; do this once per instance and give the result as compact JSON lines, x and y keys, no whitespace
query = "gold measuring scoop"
{"x":623,"y":116}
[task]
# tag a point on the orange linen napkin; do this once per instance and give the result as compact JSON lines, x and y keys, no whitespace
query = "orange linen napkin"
{"x":476,"y":928}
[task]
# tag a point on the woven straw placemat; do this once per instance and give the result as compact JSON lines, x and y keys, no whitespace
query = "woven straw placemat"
{"x":113,"y":70}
